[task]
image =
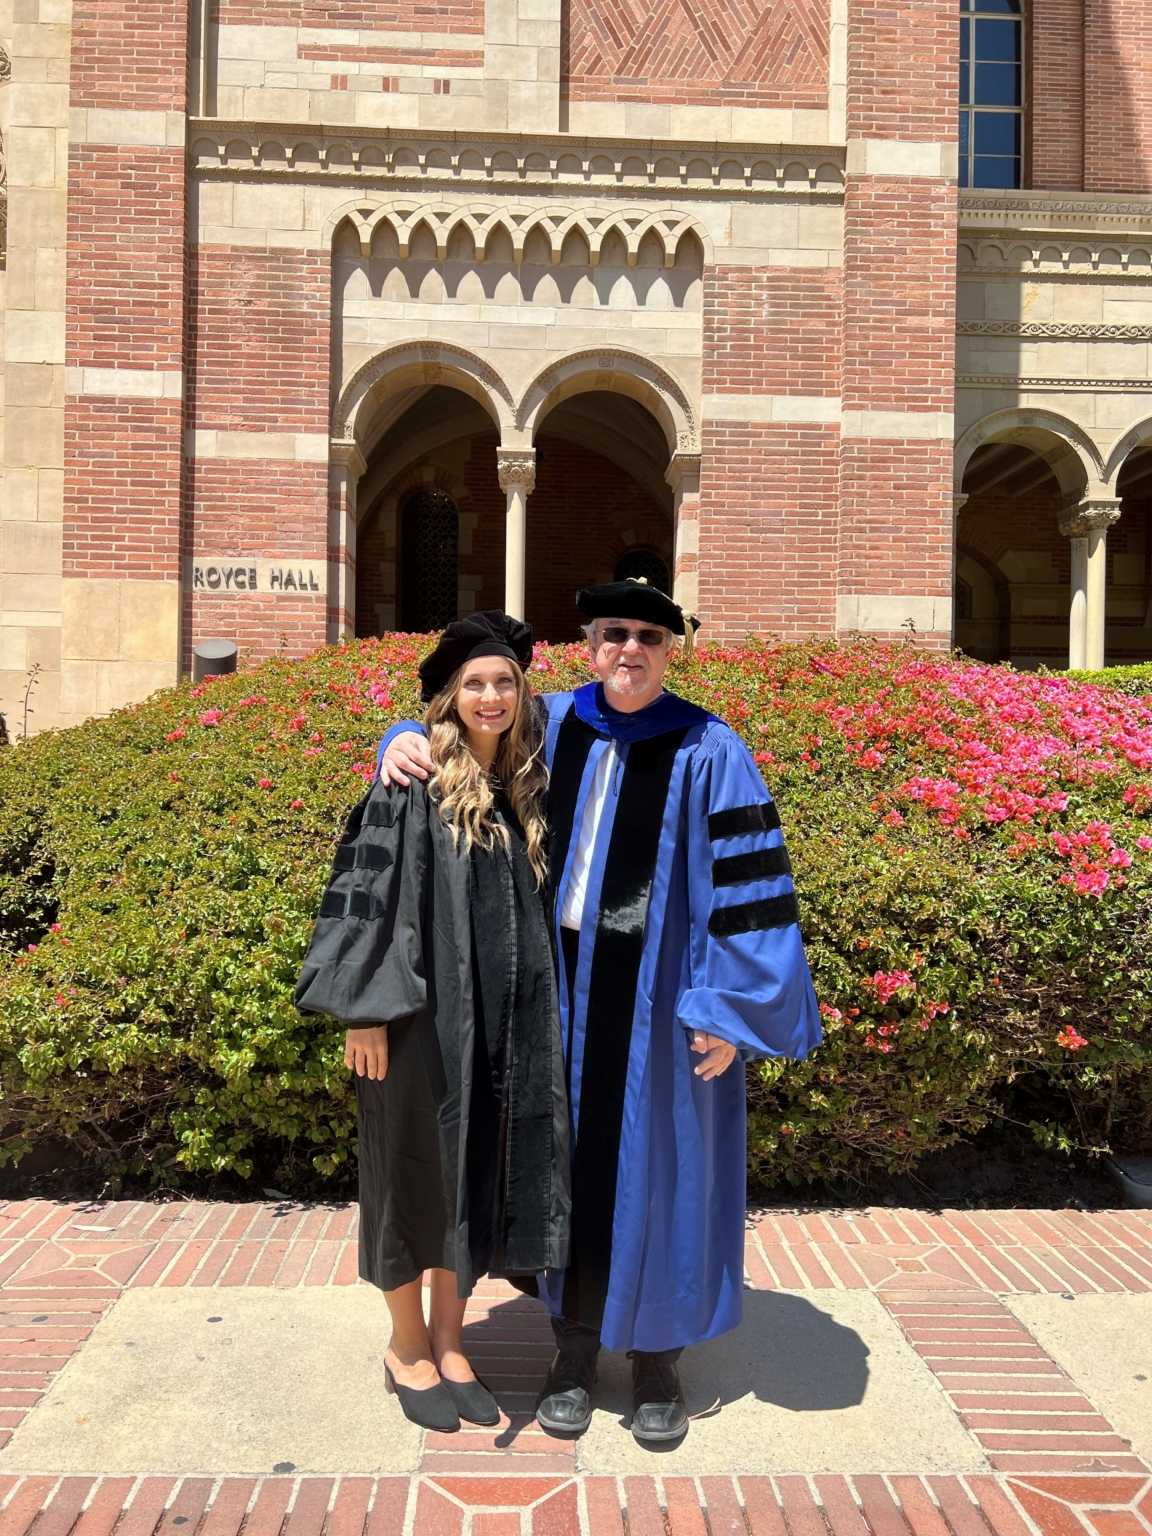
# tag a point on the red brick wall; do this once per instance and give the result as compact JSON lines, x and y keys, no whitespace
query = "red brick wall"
{"x":899,"y":303}
{"x":259,"y":362}
{"x":125,"y":297}
{"x":769,"y":494}
{"x":1054,"y":75}
{"x":1117,"y":96}
{"x":369,"y":15}
{"x":746,"y":53}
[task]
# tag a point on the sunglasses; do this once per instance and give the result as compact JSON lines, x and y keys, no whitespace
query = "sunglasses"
{"x":616,"y":634}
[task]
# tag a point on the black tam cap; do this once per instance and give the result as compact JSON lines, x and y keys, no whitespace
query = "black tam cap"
{"x":483,"y":634}
{"x":633,"y":599}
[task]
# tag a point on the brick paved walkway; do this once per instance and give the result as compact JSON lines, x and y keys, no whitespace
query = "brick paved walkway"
{"x":1058,"y":1466}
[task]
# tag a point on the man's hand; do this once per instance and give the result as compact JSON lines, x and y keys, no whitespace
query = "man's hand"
{"x":407,"y":754}
{"x":718,"y":1054}
{"x":366,"y":1052}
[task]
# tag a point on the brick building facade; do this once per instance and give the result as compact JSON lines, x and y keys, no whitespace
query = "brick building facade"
{"x":327,"y":319}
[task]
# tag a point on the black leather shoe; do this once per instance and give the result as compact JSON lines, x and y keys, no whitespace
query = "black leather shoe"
{"x":474,"y":1403}
{"x":658,"y":1409}
{"x":565,"y":1403}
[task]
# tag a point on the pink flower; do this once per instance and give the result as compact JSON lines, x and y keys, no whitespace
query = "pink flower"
{"x":264,"y":783}
{"x":893,"y":819}
{"x":54,"y":928}
{"x":174,"y":736}
{"x":1144,"y":843}
{"x":211,"y":717}
{"x":1070,"y":1039}
{"x":888,"y":983}
{"x":297,"y":805}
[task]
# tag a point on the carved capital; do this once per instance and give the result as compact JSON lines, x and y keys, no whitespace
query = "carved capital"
{"x":516,"y":468}
{"x":959,"y":501}
{"x":345,"y":452}
{"x":1078,"y":521}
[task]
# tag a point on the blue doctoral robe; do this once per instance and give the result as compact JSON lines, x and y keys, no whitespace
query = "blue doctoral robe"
{"x":696,"y":927}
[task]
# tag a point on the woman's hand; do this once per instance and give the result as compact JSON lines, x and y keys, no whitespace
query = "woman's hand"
{"x":407,"y":754}
{"x":718,"y":1054}
{"x":366,"y":1052}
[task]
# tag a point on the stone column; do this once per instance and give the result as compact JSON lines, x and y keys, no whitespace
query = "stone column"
{"x":683,"y":475}
{"x":1087,"y":524}
{"x":517,"y":470}
{"x":345,"y":466}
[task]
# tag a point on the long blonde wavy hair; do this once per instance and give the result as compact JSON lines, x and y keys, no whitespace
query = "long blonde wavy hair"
{"x":464,"y":789}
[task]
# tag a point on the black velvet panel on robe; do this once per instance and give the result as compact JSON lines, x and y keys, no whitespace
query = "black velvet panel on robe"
{"x":464,"y":1147}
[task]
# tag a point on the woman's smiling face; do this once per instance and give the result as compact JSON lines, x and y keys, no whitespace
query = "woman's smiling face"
{"x":486,"y":696}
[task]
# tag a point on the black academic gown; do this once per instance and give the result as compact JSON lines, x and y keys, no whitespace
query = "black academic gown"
{"x":464,"y":1146}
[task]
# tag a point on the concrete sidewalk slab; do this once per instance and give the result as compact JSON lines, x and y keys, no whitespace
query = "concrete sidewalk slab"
{"x":284,"y":1381}
{"x":1105,"y":1345}
{"x":819,"y":1383}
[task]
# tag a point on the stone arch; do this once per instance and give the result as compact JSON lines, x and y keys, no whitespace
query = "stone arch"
{"x":1138,"y":436}
{"x":1066,"y":448}
{"x":626,"y":373}
{"x":413,"y":364}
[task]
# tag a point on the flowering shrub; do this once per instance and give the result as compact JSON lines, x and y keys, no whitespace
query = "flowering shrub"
{"x":973,"y":854}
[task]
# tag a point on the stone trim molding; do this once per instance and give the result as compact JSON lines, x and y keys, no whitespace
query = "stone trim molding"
{"x":866,"y":611}
{"x":904,"y":158}
{"x":1052,"y":255}
{"x":769,"y":408}
{"x":542,"y":163}
{"x":294,"y":447}
{"x":1062,"y":386}
{"x":906,"y":425}
{"x":1137,"y":436}
{"x":126,"y":383}
{"x":1062,"y":444}
{"x":1048,"y":204}
{"x":518,"y":221}
{"x":1055,"y":332}
{"x":123,"y":128}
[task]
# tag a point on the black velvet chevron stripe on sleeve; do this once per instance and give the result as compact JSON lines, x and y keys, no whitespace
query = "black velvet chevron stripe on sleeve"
{"x":742,"y":819}
{"x":743,"y":867}
{"x":752,"y":916}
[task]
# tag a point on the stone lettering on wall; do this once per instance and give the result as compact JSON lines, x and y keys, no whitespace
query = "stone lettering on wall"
{"x":221,"y":575}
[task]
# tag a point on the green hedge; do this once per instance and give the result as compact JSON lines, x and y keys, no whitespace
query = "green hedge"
{"x":972,"y":856}
{"x":1136,"y":681}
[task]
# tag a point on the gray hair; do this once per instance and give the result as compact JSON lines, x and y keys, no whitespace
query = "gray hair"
{"x":589,"y":632}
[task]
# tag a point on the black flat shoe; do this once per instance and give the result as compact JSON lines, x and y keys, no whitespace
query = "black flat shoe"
{"x":659,"y":1412}
{"x":474,"y":1403}
{"x":430,"y":1407}
{"x":565,"y":1403}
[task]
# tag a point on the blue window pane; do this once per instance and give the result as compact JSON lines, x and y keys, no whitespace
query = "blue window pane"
{"x":997,"y":85}
{"x":1001,"y":7}
{"x":998,"y":40}
{"x":965,"y":119}
{"x":963,"y":170}
{"x":965,"y":29}
{"x":995,"y":171}
{"x":997,"y":133}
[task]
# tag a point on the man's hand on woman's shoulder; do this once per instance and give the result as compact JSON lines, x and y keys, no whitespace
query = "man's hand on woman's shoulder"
{"x":407,"y":754}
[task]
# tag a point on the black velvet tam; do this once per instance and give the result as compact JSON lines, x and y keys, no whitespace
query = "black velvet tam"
{"x":492,"y":633}
{"x":631,"y":600}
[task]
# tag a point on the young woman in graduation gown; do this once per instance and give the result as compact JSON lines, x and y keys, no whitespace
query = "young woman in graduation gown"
{"x":432,"y":946}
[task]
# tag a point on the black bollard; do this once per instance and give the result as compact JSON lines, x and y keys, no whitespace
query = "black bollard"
{"x":213,"y":658}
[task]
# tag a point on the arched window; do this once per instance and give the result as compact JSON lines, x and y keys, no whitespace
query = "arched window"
{"x":429,"y":541}
{"x":963,"y":599}
{"x":991,"y":93}
{"x":642,"y":563}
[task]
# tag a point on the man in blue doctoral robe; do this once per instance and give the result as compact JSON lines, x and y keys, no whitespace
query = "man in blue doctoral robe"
{"x":679,"y":951}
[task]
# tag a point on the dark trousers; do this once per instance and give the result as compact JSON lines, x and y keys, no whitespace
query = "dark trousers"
{"x":578,"y":1338}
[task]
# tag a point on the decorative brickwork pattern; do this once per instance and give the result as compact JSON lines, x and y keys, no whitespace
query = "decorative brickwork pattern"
{"x":728,"y":52}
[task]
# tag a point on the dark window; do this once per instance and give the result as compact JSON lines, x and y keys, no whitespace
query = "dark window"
{"x":642,"y":563}
{"x":991,"y":93}
{"x":963,"y":599}
{"x":429,"y":539}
